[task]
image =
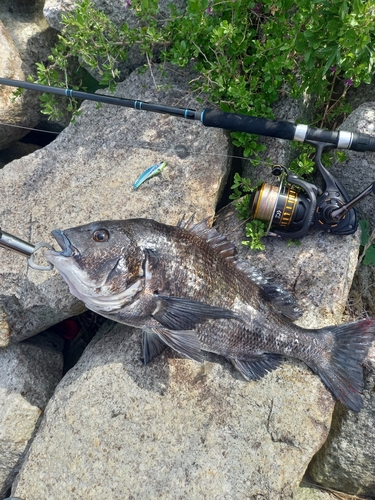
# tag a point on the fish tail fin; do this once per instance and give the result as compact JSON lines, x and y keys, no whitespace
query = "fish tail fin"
{"x":341,"y":370}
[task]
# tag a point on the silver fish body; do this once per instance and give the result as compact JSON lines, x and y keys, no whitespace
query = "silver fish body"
{"x":183,"y":286}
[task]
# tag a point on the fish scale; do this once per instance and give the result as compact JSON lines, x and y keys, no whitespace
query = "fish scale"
{"x":184,"y":287}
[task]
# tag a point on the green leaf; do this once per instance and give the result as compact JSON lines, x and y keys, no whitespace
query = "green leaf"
{"x":343,"y":9}
{"x":365,"y":231}
{"x":331,"y":60}
{"x":370,"y":256}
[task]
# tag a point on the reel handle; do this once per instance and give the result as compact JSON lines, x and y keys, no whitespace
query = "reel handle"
{"x":333,"y":197}
{"x":341,"y":212}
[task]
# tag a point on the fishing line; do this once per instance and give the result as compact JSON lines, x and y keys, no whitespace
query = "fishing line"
{"x":29,"y":128}
{"x":144,"y":145}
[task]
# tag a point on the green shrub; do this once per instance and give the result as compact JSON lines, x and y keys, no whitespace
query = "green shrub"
{"x":247,"y":54}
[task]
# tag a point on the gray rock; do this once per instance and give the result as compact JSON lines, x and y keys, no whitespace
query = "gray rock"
{"x":356,"y":96}
{"x":54,"y":9}
{"x":362,"y":297}
{"x":29,"y":374}
{"x":318,"y":272}
{"x":29,"y":30}
{"x":179,"y":429}
{"x":117,"y":10}
{"x":358,"y":172}
{"x":346,"y":462}
{"x":15,"y":151}
{"x":22,"y":111}
{"x":308,"y":491}
{"x":87,"y":174}
{"x":173,"y":429}
{"x":25,"y":38}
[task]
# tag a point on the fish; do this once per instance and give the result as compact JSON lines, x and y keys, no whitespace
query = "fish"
{"x":149,"y":172}
{"x":185,"y":287}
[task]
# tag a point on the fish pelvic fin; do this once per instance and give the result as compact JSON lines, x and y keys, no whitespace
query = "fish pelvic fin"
{"x":152,"y":345}
{"x":341,"y":369}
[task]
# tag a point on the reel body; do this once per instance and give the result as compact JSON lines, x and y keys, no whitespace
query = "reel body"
{"x":296,"y":205}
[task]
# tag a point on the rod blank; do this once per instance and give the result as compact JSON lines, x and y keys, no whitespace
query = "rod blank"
{"x":220,"y":119}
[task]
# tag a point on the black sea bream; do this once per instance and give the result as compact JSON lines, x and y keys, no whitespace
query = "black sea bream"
{"x":183,"y":286}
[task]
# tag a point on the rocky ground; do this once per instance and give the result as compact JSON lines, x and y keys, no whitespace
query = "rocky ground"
{"x":80,"y":416}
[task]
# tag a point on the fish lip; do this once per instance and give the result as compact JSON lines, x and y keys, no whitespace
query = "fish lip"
{"x":67,"y":248}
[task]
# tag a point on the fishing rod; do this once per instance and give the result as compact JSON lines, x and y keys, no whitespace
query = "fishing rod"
{"x":294,"y":206}
{"x":220,"y":119}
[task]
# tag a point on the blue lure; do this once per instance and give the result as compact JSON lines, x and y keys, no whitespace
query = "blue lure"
{"x":149,"y":172}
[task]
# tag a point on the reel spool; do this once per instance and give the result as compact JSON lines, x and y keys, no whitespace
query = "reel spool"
{"x":287,"y":210}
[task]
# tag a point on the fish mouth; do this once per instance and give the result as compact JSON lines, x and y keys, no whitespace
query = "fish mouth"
{"x":67,"y":249}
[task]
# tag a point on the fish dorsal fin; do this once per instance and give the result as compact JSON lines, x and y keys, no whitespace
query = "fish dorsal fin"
{"x":282,"y":301}
{"x":210,"y":235}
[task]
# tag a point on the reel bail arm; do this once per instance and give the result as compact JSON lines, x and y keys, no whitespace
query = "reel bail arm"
{"x":22,"y":247}
{"x":333,"y":199}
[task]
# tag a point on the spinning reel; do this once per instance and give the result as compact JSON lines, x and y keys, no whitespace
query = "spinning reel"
{"x":295,"y":206}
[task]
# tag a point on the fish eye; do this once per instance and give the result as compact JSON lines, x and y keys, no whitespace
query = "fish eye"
{"x":100,"y":235}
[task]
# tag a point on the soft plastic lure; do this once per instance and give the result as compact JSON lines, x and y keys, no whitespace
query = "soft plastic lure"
{"x":148,"y":173}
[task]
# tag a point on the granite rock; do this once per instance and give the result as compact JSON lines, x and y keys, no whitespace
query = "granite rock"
{"x":29,"y":373}
{"x":180,"y":429}
{"x":23,"y":111}
{"x":357,"y":172}
{"x":25,"y":38}
{"x":173,"y":429}
{"x":346,"y":462}
{"x":119,"y":12}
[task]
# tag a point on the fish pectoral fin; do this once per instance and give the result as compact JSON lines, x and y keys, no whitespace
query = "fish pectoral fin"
{"x":185,"y":342}
{"x":258,"y":365}
{"x":152,"y":345}
{"x":184,"y":314}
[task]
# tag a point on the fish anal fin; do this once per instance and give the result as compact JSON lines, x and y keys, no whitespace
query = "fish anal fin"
{"x":185,"y":342}
{"x":178,"y":313}
{"x":258,"y":365}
